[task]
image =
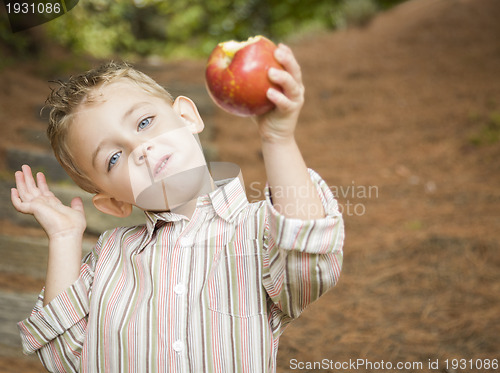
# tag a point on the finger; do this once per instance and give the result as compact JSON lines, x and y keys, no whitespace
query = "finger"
{"x":28,"y":178}
{"x":286,"y":58}
{"x":14,"y":197}
{"x":42,"y":183}
{"x":290,"y":86}
{"x":20,"y":184}
{"x":282,"y":102}
{"x":77,"y":204}
{"x":17,"y":202}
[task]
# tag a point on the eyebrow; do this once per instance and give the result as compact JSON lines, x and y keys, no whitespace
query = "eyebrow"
{"x":94,"y":154}
{"x":128,"y":113}
{"x":133,"y":108}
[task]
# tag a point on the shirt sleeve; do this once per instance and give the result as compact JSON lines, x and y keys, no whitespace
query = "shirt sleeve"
{"x":56,"y":332}
{"x":302,"y":258}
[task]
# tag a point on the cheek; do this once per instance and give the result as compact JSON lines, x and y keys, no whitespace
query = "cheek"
{"x":190,"y":145}
{"x":118,"y":184}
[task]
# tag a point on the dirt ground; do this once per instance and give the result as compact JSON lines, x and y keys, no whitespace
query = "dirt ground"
{"x":402,"y":119}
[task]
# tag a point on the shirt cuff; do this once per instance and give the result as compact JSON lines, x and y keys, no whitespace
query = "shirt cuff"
{"x":67,"y":309}
{"x":316,"y":236}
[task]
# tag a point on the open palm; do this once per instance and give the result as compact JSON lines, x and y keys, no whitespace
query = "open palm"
{"x":35,"y":198}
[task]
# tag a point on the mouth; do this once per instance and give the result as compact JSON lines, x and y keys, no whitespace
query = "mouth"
{"x":161,"y":166}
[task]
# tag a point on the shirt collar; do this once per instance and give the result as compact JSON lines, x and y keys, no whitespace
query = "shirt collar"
{"x":227,"y":201}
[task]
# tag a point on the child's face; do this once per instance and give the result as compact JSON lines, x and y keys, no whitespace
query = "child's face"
{"x":138,"y":148}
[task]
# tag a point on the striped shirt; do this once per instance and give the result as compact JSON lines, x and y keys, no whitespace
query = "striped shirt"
{"x":209,"y":294}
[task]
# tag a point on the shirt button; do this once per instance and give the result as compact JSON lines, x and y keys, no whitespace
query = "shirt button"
{"x":179,"y":289}
{"x":178,"y":346}
{"x":185,"y":241}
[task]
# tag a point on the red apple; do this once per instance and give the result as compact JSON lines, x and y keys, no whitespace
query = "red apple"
{"x":236,"y":75}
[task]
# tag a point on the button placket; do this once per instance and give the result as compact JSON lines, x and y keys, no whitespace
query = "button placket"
{"x":179,"y":288}
{"x":185,"y":241}
{"x":178,"y":346}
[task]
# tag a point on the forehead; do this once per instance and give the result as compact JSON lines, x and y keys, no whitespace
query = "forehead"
{"x":107,"y":106}
{"x":116,"y":90}
{"x":117,"y":97}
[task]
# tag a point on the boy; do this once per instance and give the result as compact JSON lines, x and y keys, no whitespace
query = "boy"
{"x":210,"y":282}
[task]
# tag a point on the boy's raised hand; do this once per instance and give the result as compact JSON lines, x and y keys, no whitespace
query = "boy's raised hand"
{"x":35,"y":198}
{"x":279,"y":124}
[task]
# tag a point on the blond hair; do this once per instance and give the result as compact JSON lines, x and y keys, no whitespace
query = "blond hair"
{"x":65,"y":100}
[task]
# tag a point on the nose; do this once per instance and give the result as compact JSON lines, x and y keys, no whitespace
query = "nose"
{"x":141,"y":153}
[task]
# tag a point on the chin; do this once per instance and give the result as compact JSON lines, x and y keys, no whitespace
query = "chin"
{"x":175,"y":190}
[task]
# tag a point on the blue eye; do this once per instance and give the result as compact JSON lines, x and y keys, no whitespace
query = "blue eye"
{"x":144,"y":123}
{"x":114,"y":158}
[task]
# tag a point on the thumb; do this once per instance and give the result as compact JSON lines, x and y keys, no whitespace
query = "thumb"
{"x":77,"y":204}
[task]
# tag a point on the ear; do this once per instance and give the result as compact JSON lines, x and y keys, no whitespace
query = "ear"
{"x":111,"y":206}
{"x":188,"y":111}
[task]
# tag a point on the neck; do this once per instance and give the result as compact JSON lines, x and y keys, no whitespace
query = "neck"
{"x":187,"y":208}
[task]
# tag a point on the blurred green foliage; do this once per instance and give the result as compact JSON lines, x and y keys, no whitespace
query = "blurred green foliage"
{"x":169,"y":28}
{"x":487,"y":130}
{"x":355,"y":12}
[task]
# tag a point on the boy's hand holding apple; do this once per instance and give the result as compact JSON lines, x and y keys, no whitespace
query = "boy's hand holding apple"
{"x":256,"y":78}
{"x":279,"y":123}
